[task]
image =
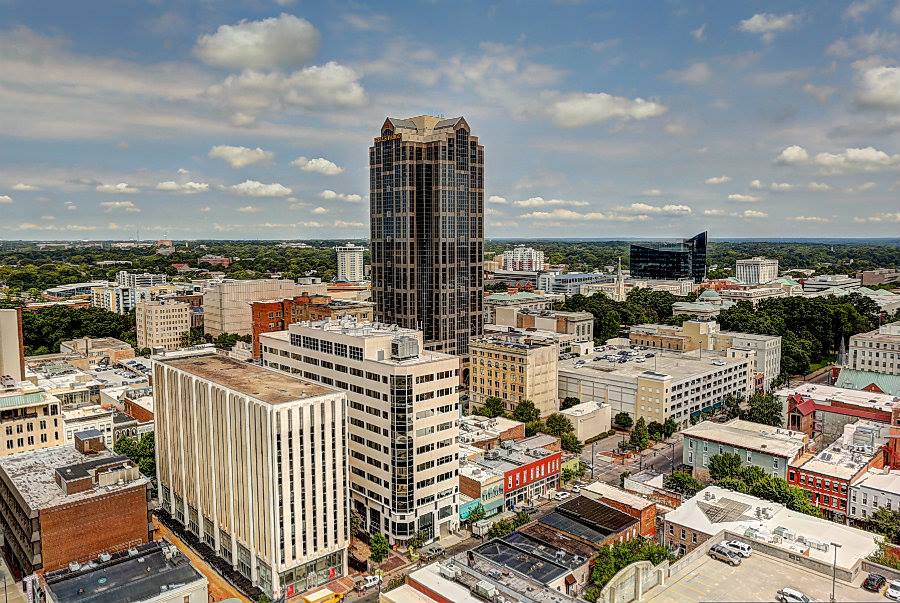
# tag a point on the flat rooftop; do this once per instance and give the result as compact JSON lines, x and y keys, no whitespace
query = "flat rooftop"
{"x":32,"y":475}
{"x":661,"y":365}
{"x":265,"y":385}
{"x":531,"y":557}
{"x":127,"y":577}
{"x":609,"y":492}
{"x":828,"y":393}
{"x":751,"y":436}
{"x":878,"y":479}
{"x":588,"y":519}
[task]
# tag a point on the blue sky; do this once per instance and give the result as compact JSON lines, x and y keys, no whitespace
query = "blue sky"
{"x":203,"y":119}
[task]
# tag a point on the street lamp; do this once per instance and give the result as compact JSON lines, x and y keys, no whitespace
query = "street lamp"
{"x":834,"y":570}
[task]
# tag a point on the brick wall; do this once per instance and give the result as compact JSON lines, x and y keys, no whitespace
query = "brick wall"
{"x":82,"y":530}
{"x":647,"y":515}
{"x":469,"y":487}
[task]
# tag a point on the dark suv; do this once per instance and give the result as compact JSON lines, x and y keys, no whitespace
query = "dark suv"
{"x":874,"y":582}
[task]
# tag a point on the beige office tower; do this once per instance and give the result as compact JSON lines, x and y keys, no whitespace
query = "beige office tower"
{"x":254,"y":463}
{"x":350,"y":266}
{"x":404,"y":418}
{"x":226,"y":304}
{"x":12,"y":350}
{"x":426,"y":178}
{"x":162,"y":324}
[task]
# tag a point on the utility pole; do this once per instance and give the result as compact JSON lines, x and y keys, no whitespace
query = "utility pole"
{"x":834,"y":570}
{"x":593,"y":458}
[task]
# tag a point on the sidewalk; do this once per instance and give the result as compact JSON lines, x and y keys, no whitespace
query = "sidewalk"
{"x":14,"y":592}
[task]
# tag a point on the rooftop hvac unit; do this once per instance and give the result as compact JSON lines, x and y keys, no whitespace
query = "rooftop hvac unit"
{"x":448,"y":571}
{"x":404,"y":348}
{"x":104,"y":557}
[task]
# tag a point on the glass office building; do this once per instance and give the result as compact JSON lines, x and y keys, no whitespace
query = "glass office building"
{"x":685,"y":259}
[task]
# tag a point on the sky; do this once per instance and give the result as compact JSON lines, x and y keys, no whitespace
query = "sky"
{"x":252,"y":119}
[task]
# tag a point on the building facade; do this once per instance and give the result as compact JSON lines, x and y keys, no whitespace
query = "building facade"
{"x":403,"y":418}
{"x":426,"y":178}
{"x":226,"y":304}
{"x":162,"y":324}
{"x":113,"y":298}
{"x":12,"y":346}
{"x":578,"y":324}
{"x":350,"y":263}
{"x":522,"y":258}
{"x":756,"y":271}
{"x":875,"y":489}
{"x":515,"y":367}
{"x":686,"y":259}
{"x":877,"y":351}
{"x":280,"y":443}
{"x":134,"y":280}
{"x":31,"y":418}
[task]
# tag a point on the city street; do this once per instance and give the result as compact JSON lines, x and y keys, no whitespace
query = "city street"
{"x":608,"y":468}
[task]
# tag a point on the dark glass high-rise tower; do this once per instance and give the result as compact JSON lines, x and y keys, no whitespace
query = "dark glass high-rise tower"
{"x":686,"y":259}
{"x":426,"y":183}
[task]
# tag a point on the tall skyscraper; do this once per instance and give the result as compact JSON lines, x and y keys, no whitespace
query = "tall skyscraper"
{"x":685,"y":259}
{"x":426,"y":178}
{"x":350,"y":263}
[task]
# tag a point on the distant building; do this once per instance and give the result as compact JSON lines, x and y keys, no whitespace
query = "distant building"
{"x":823,"y":410}
{"x":214,"y":260}
{"x":754,"y":295}
{"x":280,"y":443}
{"x":756,"y":271}
{"x":73,"y":290}
{"x":523,"y":258}
{"x":31,"y":417}
{"x":226,"y":303}
{"x":879,"y":276}
{"x":98,"y":350}
{"x":12,"y":346}
{"x":569,"y":283}
{"x":686,"y":259}
{"x":877,"y":351}
{"x":830,"y":282}
{"x":162,"y":324}
{"x":69,"y":504}
{"x":113,"y":298}
{"x":156,"y":572}
{"x":521,"y":300}
{"x":578,"y":324}
{"x":869,"y":381}
{"x":514,"y":367}
{"x":134,"y":280}
{"x":350,"y":263}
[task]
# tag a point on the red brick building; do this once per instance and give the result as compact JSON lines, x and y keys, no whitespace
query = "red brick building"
{"x":636,"y":506}
{"x":65,"y":504}
{"x":527,"y":472}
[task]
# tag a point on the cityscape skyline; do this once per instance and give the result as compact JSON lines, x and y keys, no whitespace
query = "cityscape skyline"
{"x":251,"y":121}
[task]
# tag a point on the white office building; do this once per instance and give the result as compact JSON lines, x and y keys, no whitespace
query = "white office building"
{"x":133,"y":279}
{"x":403,"y":418}
{"x":756,"y":271}
{"x":350,"y":263}
{"x":877,"y":351}
{"x":522,"y":258}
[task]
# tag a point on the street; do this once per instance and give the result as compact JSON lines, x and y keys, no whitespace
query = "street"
{"x":608,"y":468}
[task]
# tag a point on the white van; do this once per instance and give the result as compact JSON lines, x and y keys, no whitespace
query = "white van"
{"x":741,"y":548}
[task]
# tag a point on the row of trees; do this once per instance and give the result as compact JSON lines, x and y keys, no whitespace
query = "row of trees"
{"x":611,"y":559}
{"x":525,"y":411}
{"x":641,"y":306}
{"x":643,"y":432}
{"x":44,"y":330}
{"x":761,"y":408}
{"x":508,"y":525}
{"x":728,"y":471}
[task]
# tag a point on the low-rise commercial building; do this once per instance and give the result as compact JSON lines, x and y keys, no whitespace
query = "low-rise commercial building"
{"x":522,"y":300}
{"x":753,"y":295}
{"x":580,"y":325}
{"x":73,"y":290}
{"x":30,"y":419}
{"x":483,"y":486}
{"x":830,"y":282}
{"x":98,"y":350}
{"x":279,"y":442}
{"x":514,"y":367}
{"x":642,"y":509}
{"x":155,"y":572}
{"x":877,"y":351}
{"x":873,"y":490}
{"x":657,"y":387}
{"x":92,"y":418}
{"x":70,"y":503}
{"x":527,"y":472}
{"x":590,"y":520}
{"x":489,"y":432}
{"x":879,"y":276}
{"x":590,"y":419}
{"x":771,"y":449}
{"x":822,"y":411}
{"x":870,"y":381}
{"x":569,"y":283}
{"x":162,"y":324}
{"x":226,"y":302}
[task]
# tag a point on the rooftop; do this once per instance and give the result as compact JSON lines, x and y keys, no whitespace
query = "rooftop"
{"x":855,"y":379}
{"x":139,"y":574}
{"x":827,"y":393}
{"x":531,"y":557}
{"x":661,"y":365}
{"x":884,"y":480}
{"x":589,"y":519}
{"x":716,"y":509}
{"x":585,"y":408}
{"x":751,"y":436}
{"x":265,"y":385}
{"x":851,"y":453}
{"x":616,"y":494}
{"x":33,"y":475}
{"x":520,"y":296}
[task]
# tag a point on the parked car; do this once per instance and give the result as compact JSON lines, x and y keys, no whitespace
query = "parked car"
{"x":741,"y":548}
{"x":364,"y":583}
{"x":576,"y":489}
{"x":893,"y":590}
{"x":722,"y":553}
{"x":527,"y":508}
{"x":874,"y":582}
{"x":561,"y":495}
{"x":792,"y":595}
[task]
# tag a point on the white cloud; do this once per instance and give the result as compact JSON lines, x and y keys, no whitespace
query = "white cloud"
{"x":699,"y":34}
{"x":568,"y":215}
{"x":856,"y":10}
{"x":670,"y":209}
{"x":862,"y":188}
{"x":21,"y":186}
{"x":369,"y":22}
{"x":715,"y":212}
{"x":249,"y":209}
{"x":70,"y":206}
{"x":319,"y":165}
{"x":120,"y":188}
{"x":879,"y":88}
{"x":312,"y":224}
{"x":743,"y":198}
{"x":48,"y":218}
{"x":346,"y":224}
{"x":818,"y":187}
{"x":330,"y":194}
{"x":756,"y":185}
{"x":868,"y":159}
{"x":126,"y":206}
{"x":541,"y":202}
{"x":768,"y":24}
{"x":253,"y":188}
{"x":583,"y":109}
{"x":652,"y":192}
{"x":695,"y":73}
{"x":183,"y":172}
{"x":320,"y":211}
{"x":752,"y":213}
{"x":820,"y":93}
{"x":55,"y":227}
{"x":497,"y":200}
{"x":883,"y":217}
{"x":718,"y":180}
{"x":792,"y":155}
{"x":282,"y":41}
{"x":5,"y":199}
{"x":810,"y":219}
{"x":205,"y":209}
{"x":865,"y":44}
{"x":238,"y":157}
{"x":186,"y":188}
{"x":781,"y":186}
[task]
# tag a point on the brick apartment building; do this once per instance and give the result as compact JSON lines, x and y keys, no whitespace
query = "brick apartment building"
{"x":527,"y":472}
{"x":65,"y":504}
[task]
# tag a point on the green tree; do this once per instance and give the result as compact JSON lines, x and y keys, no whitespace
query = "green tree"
{"x":764,"y":408}
{"x":567,"y":474}
{"x":656,"y":430}
{"x":569,"y":442}
{"x":534,"y":427}
{"x":682,"y":482}
{"x":887,"y":523}
{"x":501,"y":528}
{"x":640,"y":435}
{"x":526,"y":412}
{"x":379,"y":547}
{"x":731,"y":407}
{"x":568,"y":402}
{"x":477,"y":514}
{"x":141,"y":451}
{"x":734,"y":483}
{"x":623,"y":420}
{"x":611,"y":559}
{"x":264,"y":599}
{"x":521,"y":518}
{"x":670,"y":427}
{"x":493,"y":407}
{"x":355,"y":521}
{"x":724,"y":465}
{"x":557,"y":424}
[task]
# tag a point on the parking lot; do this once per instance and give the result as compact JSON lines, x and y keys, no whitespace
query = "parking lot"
{"x":757,"y":578}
